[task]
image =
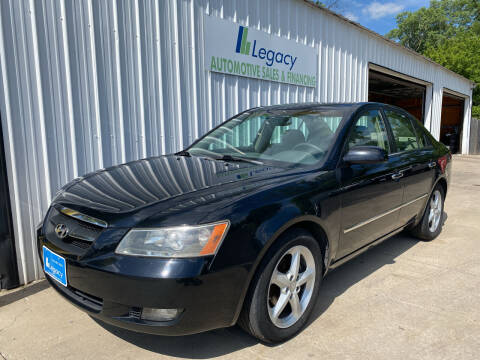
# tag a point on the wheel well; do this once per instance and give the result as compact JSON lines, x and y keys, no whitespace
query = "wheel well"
{"x":317,"y":232}
{"x":443,"y":183}
{"x":319,"y":235}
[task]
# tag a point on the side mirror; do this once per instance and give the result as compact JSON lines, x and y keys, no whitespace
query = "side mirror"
{"x":365,"y":155}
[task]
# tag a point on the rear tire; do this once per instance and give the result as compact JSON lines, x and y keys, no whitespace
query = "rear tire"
{"x":430,"y":226}
{"x":284,"y":289}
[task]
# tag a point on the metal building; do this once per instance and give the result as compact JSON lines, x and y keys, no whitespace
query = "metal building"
{"x":88,"y":84}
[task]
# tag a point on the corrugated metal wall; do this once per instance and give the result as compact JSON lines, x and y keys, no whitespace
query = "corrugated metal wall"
{"x":88,"y":84}
{"x":475,"y":137}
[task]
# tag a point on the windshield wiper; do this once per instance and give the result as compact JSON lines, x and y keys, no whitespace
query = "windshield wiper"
{"x":228,"y":157}
{"x":183,"y":153}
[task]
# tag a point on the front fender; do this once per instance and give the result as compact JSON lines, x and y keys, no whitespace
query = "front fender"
{"x":322,"y":214}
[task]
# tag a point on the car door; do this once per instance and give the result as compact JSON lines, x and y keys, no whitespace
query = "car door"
{"x":371,"y":194}
{"x":415,"y":158}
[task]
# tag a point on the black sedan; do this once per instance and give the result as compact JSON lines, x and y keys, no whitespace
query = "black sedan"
{"x":242,"y":226}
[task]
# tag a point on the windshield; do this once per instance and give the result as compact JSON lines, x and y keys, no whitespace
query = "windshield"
{"x":286,"y":136}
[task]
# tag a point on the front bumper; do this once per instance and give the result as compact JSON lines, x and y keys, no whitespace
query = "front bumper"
{"x":115,"y":288}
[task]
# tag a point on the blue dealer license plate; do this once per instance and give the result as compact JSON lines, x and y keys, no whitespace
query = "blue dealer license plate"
{"x":55,"y":266}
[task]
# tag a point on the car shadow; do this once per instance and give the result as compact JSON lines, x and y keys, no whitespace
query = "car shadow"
{"x":225,"y":341}
{"x":342,"y":278}
{"x":199,"y":346}
{"x":18,"y":294}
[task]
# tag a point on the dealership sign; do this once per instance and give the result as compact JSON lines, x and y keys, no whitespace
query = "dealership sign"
{"x":234,"y":49}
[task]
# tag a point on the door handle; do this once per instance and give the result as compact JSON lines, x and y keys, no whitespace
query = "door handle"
{"x":432,"y":164}
{"x":397,"y":176}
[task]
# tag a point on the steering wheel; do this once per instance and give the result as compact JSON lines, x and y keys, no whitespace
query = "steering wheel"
{"x":410,"y":143}
{"x":296,"y":147}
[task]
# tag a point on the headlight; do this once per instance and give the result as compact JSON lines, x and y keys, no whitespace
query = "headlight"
{"x":177,"y":242}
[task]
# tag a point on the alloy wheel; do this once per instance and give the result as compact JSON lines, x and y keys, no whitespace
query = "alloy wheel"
{"x":291,"y":286}
{"x":435,"y":214}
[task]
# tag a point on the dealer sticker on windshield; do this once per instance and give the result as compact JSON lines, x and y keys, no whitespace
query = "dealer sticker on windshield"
{"x":55,"y":266}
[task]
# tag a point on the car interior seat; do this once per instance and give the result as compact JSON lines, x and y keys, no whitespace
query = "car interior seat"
{"x":319,"y":133}
{"x":292,"y":137}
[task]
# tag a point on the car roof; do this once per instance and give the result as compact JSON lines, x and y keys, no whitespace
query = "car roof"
{"x":315,"y":105}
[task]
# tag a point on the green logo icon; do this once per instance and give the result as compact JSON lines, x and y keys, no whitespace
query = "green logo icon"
{"x":243,"y":46}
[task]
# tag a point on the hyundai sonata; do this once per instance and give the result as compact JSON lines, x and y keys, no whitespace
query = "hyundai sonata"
{"x":242,"y":226}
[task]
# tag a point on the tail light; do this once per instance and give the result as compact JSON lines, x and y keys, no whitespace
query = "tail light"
{"x":442,"y":163}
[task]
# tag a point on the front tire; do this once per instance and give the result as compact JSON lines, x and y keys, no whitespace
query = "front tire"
{"x":430,"y":226}
{"x":285,"y":288}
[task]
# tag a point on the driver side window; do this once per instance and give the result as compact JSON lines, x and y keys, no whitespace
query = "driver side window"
{"x":369,"y":130}
{"x":403,"y":131}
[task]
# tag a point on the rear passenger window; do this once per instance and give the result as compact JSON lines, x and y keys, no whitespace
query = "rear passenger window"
{"x":423,"y":140}
{"x":403,"y":131}
{"x":426,"y":139}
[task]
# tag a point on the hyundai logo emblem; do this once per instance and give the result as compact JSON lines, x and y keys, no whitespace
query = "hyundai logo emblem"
{"x":61,"y":230}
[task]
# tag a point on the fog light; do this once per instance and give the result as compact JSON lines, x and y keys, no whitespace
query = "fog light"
{"x":152,"y":314}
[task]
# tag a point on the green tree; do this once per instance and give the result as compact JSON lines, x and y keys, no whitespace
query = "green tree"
{"x":448,"y":32}
{"x":420,"y":29}
{"x":462,"y":55}
{"x":431,"y":26}
{"x":328,"y":4}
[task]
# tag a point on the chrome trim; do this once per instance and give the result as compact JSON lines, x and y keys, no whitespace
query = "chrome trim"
{"x":364,"y":248}
{"x":363,"y":223}
{"x":82,"y":217}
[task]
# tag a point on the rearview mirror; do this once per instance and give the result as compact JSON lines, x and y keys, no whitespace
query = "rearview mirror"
{"x":365,"y":155}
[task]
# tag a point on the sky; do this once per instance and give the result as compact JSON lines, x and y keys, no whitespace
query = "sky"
{"x":377,"y":15}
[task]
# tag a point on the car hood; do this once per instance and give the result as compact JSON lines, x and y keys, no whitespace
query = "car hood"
{"x":127,"y":188}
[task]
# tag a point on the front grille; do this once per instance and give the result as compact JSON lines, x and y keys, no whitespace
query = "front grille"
{"x":77,"y":229}
{"x":81,"y":244}
{"x":80,"y":234}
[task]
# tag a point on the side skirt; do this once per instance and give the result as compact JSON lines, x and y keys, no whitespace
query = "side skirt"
{"x":354,"y":254}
